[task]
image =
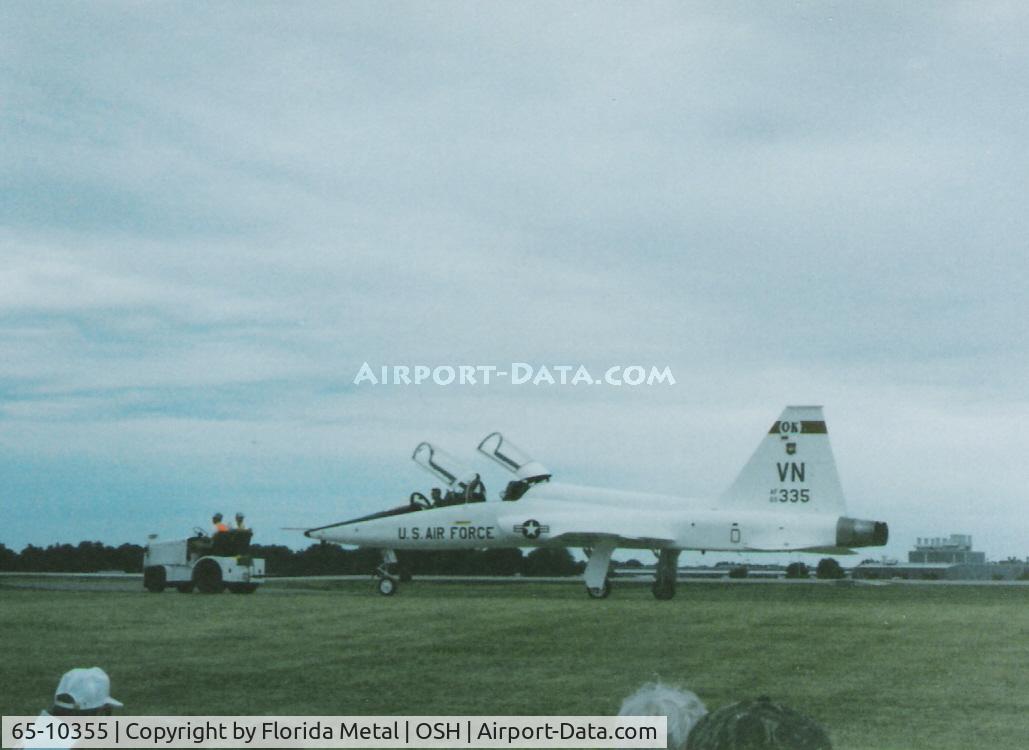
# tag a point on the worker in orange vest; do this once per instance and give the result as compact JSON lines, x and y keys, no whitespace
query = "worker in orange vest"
{"x":219,"y":525}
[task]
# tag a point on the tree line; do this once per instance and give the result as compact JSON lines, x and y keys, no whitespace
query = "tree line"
{"x":85,"y":557}
{"x":318,"y":559}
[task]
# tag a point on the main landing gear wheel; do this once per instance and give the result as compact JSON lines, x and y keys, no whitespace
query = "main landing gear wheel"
{"x":387,"y":586}
{"x":663,"y":590}
{"x":666,"y":575}
{"x":600,"y":593}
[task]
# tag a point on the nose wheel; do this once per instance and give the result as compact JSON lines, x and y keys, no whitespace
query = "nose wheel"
{"x":389,"y":577}
{"x":598,"y":585}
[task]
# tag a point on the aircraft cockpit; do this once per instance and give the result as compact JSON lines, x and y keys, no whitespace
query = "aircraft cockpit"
{"x":460,"y":484}
{"x":527,"y":471}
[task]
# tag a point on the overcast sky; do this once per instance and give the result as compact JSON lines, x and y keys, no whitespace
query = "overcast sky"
{"x":212,"y":214}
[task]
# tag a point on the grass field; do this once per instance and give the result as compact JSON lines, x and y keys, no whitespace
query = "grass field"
{"x":882,"y":666}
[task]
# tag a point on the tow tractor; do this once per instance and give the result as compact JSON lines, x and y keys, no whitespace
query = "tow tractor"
{"x":210,"y":564}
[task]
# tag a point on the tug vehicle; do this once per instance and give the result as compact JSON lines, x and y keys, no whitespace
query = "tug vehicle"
{"x":210,"y":564}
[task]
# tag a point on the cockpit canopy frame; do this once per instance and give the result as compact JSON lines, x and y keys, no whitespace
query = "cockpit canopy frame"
{"x":464,"y":485}
{"x":443,"y":466}
{"x":503,"y":452}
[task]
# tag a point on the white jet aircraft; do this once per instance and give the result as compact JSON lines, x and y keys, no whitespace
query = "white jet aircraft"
{"x":787,"y":498}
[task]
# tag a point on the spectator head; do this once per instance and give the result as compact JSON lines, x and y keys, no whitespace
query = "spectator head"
{"x":84,"y":692}
{"x":758,"y":725}
{"x":682,"y":707}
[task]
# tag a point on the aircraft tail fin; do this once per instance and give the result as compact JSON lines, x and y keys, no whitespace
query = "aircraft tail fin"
{"x":793,"y":465}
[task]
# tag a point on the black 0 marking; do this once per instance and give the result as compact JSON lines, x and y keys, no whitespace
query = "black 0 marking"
{"x":792,"y":470}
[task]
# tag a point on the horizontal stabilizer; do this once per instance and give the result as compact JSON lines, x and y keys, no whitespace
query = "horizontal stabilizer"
{"x":828,"y":550}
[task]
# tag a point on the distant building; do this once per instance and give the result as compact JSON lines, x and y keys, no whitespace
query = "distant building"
{"x":944,"y":558}
{"x":955,"y":549}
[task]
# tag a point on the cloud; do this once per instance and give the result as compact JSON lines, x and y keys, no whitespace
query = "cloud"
{"x":215,"y":217}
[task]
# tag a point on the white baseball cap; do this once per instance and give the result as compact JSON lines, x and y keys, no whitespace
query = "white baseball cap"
{"x":85,"y":690}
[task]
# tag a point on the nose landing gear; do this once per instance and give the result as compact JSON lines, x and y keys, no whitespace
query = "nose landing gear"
{"x":389,"y":578}
{"x":598,"y":585}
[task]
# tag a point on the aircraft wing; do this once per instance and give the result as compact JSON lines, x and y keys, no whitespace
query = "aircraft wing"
{"x":633,"y":530}
{"x":592,"y":539}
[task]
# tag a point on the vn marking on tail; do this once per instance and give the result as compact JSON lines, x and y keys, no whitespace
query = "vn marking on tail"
{"x":794,"y":471}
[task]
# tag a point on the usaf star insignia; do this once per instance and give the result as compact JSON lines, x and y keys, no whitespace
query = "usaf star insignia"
{"x":531,"y":529}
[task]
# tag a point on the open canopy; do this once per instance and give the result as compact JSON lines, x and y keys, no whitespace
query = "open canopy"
{"x":443,"y":466}
{"x":501,"y":450}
